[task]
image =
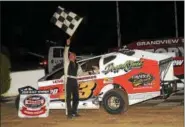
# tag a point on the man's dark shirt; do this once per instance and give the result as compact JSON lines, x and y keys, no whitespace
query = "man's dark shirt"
{"x":72,"y":69}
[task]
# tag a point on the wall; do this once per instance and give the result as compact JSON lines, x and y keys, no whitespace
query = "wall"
{"x":23,"y":78}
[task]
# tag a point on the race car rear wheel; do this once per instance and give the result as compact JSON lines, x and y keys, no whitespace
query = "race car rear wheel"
{"x":17,"y":102}
{"x":115,"y":101}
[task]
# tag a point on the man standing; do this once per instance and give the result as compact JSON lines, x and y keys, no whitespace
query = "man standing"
{"x":71,"y":71}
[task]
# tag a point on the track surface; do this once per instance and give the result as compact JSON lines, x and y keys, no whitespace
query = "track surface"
{"x":152,"y":113}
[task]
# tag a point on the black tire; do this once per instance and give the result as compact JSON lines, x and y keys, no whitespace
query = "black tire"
{"x":17,"y":102}
{"x":123,"y":101}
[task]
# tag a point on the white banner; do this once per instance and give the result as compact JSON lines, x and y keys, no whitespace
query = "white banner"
{"x":34,"y":103}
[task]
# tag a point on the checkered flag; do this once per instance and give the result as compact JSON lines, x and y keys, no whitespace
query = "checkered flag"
{"x":65,"y":20}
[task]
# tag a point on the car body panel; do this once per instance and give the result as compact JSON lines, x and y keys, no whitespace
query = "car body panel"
{"x":138,"y":77}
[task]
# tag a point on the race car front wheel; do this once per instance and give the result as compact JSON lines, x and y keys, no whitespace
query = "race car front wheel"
{"x":115,"y":101}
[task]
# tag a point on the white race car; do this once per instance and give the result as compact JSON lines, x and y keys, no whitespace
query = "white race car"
{"x":115,"y":80}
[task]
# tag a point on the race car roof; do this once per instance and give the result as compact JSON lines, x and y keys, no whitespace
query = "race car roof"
{"x":136,"y":53}
{"x":149,"y":55}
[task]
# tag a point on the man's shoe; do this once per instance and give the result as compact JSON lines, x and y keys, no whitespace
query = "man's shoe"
{"x":75,"y":115}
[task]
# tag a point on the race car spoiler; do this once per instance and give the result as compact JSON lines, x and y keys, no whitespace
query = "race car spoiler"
{"x":165,"y":61}
{"x":152,"y":56}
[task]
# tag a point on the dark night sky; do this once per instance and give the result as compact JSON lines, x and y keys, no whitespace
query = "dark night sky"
{"x":27,"y":24}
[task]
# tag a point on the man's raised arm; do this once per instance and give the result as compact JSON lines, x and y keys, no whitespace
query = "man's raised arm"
{"x":66,"y":51}
{"x":66,"y":59}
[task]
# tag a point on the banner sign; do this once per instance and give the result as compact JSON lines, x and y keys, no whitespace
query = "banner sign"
{"x":164,"y":46}
{"x":33,"y":103}
{"x":160,"y":46}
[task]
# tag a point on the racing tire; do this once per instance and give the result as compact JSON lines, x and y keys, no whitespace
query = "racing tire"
{"x":17,"y":102}
{"x":123,"y":101}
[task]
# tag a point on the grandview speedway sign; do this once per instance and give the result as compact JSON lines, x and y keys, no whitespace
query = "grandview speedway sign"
{"x":163,"y":46}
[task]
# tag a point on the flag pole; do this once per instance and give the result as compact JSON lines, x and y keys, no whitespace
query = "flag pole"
{"x":176,"y":21}
{"x":118,"y":24}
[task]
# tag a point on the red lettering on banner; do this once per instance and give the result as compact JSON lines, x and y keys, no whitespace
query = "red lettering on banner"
{"x":179,"y":66}
{"x":34,"y":102}
{"x":28,"y":112}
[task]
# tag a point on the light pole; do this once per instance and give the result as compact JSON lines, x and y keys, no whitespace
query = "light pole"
{"x":176,"y":21}
{"x":118,"y":25}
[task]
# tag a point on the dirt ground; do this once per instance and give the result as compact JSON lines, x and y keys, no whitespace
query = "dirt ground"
{"x":136,"y":116}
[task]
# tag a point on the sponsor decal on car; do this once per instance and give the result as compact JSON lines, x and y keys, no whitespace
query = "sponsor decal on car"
{"x":55,"y":90}
{"x":127,"y":66}
{"x":58,"y":81}
{"x":141,"y":79}
{"x":87,"y":78}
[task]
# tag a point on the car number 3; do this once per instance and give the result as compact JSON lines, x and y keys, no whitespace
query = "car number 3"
{"x":85,"y":90}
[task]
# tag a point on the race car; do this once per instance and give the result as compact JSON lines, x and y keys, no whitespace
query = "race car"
{"x":114,"y":80}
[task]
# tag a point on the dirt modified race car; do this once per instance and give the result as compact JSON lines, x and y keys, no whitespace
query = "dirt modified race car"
{"x":114,"y":80}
